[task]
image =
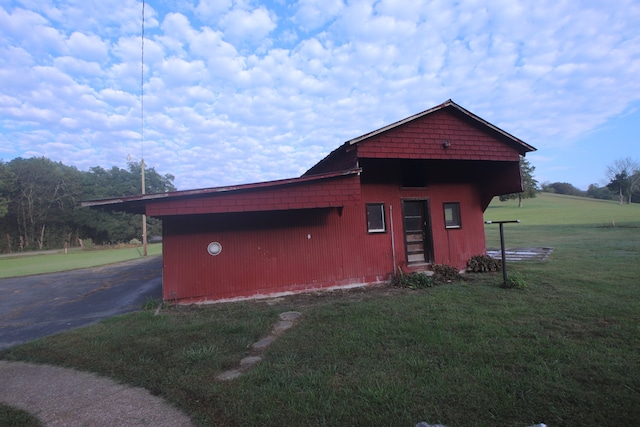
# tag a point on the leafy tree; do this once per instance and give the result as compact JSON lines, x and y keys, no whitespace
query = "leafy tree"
{"x":99,"y":183}
{"x":43,"y":195}
{"x":624,"y":178}
{"x":620,"y":184}
{"x":598,"y":192}
{"x":154,"y":182}
{"x":562,"y":188}
{"x":6,"y":183}
{"x":39,"y":203}
{"x":635,"y":190}
{"x":529,"y":184}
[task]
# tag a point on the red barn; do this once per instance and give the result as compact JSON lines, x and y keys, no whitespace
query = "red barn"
{"x":407,"y":195}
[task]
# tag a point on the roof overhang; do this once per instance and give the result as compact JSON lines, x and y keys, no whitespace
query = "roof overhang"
{"x":139,"y":204}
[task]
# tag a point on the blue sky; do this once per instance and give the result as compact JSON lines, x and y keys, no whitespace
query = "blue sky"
{"x":239,"y":91}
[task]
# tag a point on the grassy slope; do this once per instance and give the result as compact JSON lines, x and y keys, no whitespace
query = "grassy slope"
{"x":566,"y":351}
{"x":557,"y":209}
{"x":20,"y":265}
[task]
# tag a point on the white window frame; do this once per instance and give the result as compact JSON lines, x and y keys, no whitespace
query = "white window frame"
{"x":456,"y":216}
{"x":378,"y":210}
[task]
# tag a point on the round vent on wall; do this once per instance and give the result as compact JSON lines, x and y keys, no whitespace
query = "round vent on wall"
{"x":214,"y":248}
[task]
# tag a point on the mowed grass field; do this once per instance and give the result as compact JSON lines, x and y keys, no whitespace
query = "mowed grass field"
{"x":14,"y":265}
{"x":565,"y":351}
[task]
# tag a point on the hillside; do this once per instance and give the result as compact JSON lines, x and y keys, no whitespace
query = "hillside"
{"x":558,"y":209}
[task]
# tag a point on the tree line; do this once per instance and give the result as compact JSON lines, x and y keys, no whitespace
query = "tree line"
{"x":624,"y":184}
{"x":40,"y":204}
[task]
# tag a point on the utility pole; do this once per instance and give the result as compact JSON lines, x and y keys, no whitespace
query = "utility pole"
{"x":144,"y":215}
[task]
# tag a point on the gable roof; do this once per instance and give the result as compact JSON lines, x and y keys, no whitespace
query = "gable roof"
{"x":347,"y":154}
{"x":451,"y":106}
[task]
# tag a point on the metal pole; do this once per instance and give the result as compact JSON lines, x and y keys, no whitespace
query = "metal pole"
{"x":393,"y":241}
{"x":502,"y":250}
{"x":504,"y":255}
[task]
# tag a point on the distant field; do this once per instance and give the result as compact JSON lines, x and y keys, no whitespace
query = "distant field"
{"x":21,"y":265}
{"x":548,"y":217}
{"x":555,"y":209}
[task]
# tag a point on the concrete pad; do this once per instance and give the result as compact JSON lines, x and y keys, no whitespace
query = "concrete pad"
{"x":66,"y":397}
{"x":521,"y":254}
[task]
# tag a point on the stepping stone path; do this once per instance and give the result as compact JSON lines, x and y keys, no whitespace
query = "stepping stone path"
{"x":287,"y":320}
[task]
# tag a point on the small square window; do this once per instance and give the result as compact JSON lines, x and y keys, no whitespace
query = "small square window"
{"x":452,"y":215}
{"x":375,"y":218}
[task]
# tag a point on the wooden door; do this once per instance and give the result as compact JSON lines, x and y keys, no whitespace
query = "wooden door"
{"x":417,"y":231}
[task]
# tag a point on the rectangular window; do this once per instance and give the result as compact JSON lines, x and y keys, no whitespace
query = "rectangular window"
{"x":452,"y":215}
{"x":375,"y":218}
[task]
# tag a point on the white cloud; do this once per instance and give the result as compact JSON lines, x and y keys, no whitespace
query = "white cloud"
{"x":238,"y":91}
{"x":88,"y":47}
{"x":178,"y":72}
{"x":119,"y":97}
{"x":223,"y":60}
{"x":177,"y":26}
{"x":211,"y":10}
{"x":77,"y":67}
{"x":406,"y":9}
{"x":252,"y":26}
{"x":20,"y":22}
{"x":33,"y":31}
{"x":312,"y":14}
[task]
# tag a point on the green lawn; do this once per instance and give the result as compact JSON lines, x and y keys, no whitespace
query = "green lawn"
{"x":20,"y":265}
{"x":565,"y":351}
{"x":13,"y":417}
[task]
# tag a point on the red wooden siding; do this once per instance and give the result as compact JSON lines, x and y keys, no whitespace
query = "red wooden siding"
{"x":288,"y":251}
{"x":423,"y":138}
{"x":454,"y":246}
{"x":451,"y":246}
{"x":266,"y":253}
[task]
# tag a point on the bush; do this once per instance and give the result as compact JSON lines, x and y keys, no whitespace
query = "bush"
{"x":412,"y":280}
{"x":135,"y":241}
{"x":86,"y":244}
{"x":445,"y":273}
{"x":483,"y":264}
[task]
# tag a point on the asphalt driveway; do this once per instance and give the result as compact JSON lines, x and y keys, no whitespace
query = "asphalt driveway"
{"x":36,"y":306}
